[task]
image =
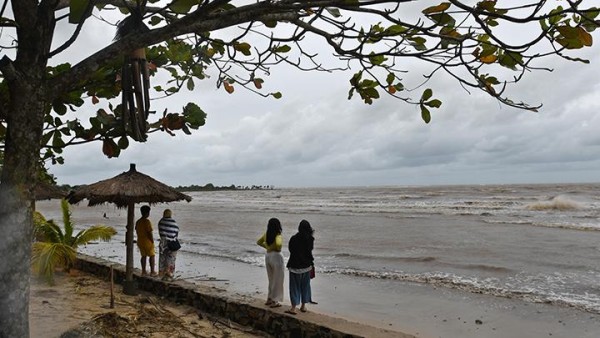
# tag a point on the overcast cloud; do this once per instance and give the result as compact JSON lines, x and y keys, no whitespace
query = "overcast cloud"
{"x":314,"y":136}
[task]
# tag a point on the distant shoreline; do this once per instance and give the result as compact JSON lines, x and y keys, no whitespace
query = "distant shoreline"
{"x":211,"y":187}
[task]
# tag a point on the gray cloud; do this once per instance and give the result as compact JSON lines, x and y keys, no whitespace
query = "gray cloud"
{"x":314,"y":136}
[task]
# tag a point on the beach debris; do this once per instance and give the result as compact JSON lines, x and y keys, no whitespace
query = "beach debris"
{"x":478,"y":322}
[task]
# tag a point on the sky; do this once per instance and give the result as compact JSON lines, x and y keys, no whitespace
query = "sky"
{"x":314,"y":136}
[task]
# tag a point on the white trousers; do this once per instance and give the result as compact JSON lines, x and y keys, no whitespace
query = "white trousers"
{"x":275,"y":272}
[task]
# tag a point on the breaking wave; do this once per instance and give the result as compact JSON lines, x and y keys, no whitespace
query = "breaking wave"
{"x":559,"y":203}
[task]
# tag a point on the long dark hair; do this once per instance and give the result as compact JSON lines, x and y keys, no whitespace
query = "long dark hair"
{"x":273,"y":229}
{"x":305,"y":229}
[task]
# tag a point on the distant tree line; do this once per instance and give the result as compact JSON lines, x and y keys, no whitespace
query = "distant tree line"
{"x":212,"y":187}
{"x":195,"y":187}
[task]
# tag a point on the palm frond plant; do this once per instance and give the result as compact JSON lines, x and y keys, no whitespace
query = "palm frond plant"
{"x":57,"y":248}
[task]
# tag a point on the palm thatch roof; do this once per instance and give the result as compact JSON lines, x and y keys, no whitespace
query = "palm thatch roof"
{"x":125,"y":188}
{"x":47,"y":191}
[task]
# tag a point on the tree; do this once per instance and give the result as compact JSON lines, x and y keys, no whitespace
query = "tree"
{"x":191,"y":40}
{"x":55,"y":248}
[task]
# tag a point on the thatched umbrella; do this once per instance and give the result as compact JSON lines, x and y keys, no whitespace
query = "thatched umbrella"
{"x":125,"y":190}
{"x":47,"y":191}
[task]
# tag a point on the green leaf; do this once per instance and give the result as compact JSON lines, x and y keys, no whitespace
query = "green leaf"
{"x":276,"y":95}
{"x":443,"y":19}
{"x":190,"y":84}
{"x":395,"y":30}
{"x":427,"y":93}
{"x":104,"y":117}
{"x":155,"y":20}
{"x":182,"y":6}
{"x":46,"y":138}
{"x":419,"y":43}
{"x":491,"y":22}
{"x":123,"y":142}
{"x":377,"y":59}
{"x":57,"y":141}
{"x":282,"y":49}
{"x":243,"y":47}
{"x":487,"y":5}
{"x":59,"y":108}
{"x":433,"y":103}
{"x":437,"y":9}
{"x":194,"y":115}
{"x":270,"y":23}
{"x":510,"y":60}
{"x":368,"y":83}
{"x":390,"y":78}
{"x":555,"y":15}
{"x":425,"y":114}
{"x":77,"y":10}
{"x":334,"y":12}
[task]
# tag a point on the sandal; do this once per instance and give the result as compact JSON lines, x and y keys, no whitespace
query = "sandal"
{"x":290,"y":312}
{"x":274,"y":305}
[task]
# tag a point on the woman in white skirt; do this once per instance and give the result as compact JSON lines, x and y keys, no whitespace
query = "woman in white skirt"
{"x":272,"y":242}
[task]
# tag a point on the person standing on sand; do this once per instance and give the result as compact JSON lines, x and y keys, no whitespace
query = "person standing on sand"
{"x":272,"y":242}
{"x":145,"y":239}
{"x":168,"y":230}
{"x":300,"y":264}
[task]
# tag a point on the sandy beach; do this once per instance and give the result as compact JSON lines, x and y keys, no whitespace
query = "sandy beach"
{"x":464,"y":262}
{"x":79,"y":303}
{"x":79,"y":300}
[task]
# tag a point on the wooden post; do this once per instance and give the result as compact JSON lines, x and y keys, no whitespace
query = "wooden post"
{"x":129,"y":287}
{"x":112,"y":286}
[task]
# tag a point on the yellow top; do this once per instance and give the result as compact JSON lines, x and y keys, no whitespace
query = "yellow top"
{"x":145,"y":240}
{"x":275,"y":246}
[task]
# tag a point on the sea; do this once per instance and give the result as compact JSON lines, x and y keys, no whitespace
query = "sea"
{"x":529,"y":244}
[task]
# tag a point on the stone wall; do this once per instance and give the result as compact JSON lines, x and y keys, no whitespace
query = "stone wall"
{"x":182,"y":292}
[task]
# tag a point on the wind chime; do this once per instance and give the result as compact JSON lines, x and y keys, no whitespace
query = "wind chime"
{"x":135,"y":78}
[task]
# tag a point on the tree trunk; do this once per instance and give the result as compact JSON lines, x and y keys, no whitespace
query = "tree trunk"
{"x":19,"y":174}
{"x":27,"y":105}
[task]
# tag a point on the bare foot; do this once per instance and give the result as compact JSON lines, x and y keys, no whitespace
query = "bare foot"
{"x":302,"y":309}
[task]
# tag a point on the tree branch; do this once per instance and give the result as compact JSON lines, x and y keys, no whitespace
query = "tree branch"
{"x":192,"y":23}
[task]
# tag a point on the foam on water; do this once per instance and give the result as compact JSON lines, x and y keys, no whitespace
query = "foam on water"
{"x":560,"y":203}
{"x":589,"y":302}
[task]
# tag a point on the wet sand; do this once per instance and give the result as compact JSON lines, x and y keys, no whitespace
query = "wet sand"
{"x":420,"y":310}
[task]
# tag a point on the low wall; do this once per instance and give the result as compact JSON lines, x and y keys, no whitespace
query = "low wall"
{"x":182,"y":292}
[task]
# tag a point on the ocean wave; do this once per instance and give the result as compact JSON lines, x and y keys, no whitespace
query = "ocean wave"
{"x":381,"y":258}
{"x":570,"y":226}
{"x":559,"y":203}
{"x":487,"y":286}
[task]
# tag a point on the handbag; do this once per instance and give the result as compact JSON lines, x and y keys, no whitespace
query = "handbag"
{"x":173,"y":245}
{"x":312,"y":272}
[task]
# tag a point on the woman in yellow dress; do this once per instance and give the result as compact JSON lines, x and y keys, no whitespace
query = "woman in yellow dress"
{"x":145,"y":239}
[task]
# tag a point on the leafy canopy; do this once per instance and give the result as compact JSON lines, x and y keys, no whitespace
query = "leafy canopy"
{"x":485,"y":45}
